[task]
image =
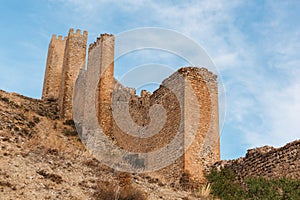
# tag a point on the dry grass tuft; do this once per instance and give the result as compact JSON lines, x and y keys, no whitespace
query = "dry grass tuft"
{"x":186,"y":182}
{"x":124,"y":179}
{"x":203,"y":191}
{"x":50,"y":142}
{"x":112,"y":190}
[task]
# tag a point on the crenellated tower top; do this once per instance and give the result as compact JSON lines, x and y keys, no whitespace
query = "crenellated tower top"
{"x":99,"y":40}
{"x":188,"y":97}
{"x":58,"y":38}
{"x":77,"y":33}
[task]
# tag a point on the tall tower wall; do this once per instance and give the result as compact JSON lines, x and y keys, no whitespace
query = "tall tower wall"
{"x":100,"y":64}
{"x":190,"y":99}
{"x":177,"y":126}
{"x":107,"y":82}
{"x":195,"y":119}
{"x":54,"y":65}
{"x":201,"y":98}
{"x":74,"y":59}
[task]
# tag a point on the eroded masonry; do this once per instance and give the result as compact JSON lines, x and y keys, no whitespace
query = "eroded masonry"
{"x":266,"y":161}
{"x":66,"y":56}
{"x":182,"y":111}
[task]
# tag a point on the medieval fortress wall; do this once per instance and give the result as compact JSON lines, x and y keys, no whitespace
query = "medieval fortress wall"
{"x":183,"y":109}
{"x":73,"y":61}
{"x":181,"y":96}
{"x":52,"y":78}
{"x":266,"y":161}
{"x":65,"y":58}
{"x":112,"y":106}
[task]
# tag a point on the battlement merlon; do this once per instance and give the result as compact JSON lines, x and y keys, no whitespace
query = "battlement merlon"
{"x":53,"y":37}
{"x":190,"y":71}
{"x":145,"y":93}
{"x":206,"y":75}
{"x":100,"y":39}
{"x":57,"y":39}
{"x":77,"y":33}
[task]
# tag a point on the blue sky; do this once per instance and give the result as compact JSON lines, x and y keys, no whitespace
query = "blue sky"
{"x":254,"y":44}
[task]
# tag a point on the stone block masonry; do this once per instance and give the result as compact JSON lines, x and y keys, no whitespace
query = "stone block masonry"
{"x":54,"y":66}
{"x":188,"y":94}
{"x":193,"y":88}
{"x":268,"y":162}
{"x":65,"y":59}
{"x":203,"y":148}
{"x":74,"y":59}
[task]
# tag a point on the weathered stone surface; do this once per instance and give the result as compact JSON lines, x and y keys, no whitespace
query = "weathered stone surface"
{"x":74,"y":60}
{"x":267,"y":162}
{"x":182,"y":112}
{"x":125,"y":118}
{"x":53,"y":72}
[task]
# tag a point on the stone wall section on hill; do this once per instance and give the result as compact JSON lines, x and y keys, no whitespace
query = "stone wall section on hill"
{"x":133,"y":117}
{"x":268,"y":162}
{"x":183,"y":111}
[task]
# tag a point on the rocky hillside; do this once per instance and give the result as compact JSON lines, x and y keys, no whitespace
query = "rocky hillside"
{"x":41,"y":157}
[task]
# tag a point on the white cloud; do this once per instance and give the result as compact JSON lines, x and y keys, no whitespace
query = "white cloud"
{"x":252,"y":55}
{"x":282,"y":108}
{"x":257,"y":52}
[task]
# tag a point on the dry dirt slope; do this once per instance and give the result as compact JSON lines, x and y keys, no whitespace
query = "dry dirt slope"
{"x":41,"y":157}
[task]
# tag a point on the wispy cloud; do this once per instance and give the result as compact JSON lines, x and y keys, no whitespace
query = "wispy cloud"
{"x":255,"y":46}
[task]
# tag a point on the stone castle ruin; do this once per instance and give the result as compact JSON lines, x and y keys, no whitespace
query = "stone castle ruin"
{"x":183,"y":111}
{"x":266,"y":161}
{"x":66,"y":56}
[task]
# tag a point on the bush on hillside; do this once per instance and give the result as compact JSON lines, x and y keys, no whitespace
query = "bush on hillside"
{"x":224,"y":185}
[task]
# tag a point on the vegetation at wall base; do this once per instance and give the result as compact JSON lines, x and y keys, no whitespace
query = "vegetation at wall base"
{"x":224,"y":185}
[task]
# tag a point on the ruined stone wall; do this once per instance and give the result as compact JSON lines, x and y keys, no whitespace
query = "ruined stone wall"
{"x":150,"y":122}
{"x":74,"y":59}
{"x":54,"y":66}
{"x":177,"y":126}
{"x":146,"y":134}
{"x":139,"y":113}
{"x":268,"y":162}
{"x":106,"y":83}
{"x":201,"y":136}
{"x":204,"y":149}
{"x":174,"y":95}
{"x":139,"y":108}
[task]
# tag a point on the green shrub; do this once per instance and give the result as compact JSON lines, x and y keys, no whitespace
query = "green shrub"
{"x":225,"y":186}
{"x":258,"y":188}
{"x":290,"y":189}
